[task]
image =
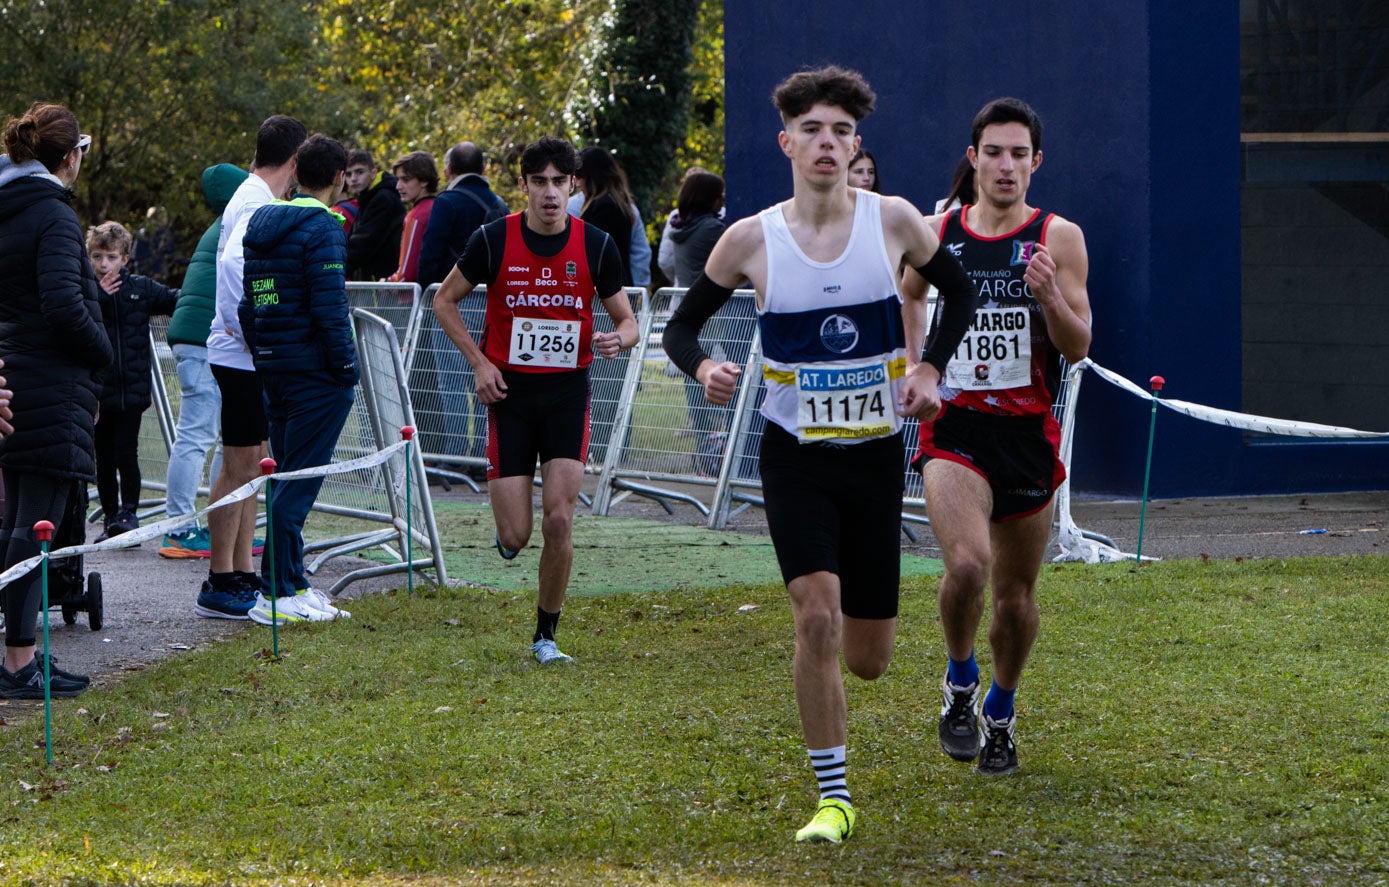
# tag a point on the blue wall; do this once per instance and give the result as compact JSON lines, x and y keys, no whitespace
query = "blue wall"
{"x":1141,"y":149}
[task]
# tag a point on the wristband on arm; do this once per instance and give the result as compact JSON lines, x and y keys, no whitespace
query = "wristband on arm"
{"x":954,"y":311}
{"x":681,"y":339}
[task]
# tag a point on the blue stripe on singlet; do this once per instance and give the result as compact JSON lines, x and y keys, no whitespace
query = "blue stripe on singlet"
{"x":795,"y":336}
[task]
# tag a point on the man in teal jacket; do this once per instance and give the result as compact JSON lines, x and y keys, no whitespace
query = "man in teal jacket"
{"x":200,"y":401}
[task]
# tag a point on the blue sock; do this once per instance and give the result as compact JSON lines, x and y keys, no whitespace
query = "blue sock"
{"x":962,"y":674}
{"x":998,"y":704}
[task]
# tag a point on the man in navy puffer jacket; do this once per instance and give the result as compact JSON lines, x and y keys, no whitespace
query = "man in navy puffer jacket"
{"x":296,"y":320}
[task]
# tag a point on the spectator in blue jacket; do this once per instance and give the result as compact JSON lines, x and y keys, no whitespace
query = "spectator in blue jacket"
{"x":465,"y":205}
{"x":296,"y":319}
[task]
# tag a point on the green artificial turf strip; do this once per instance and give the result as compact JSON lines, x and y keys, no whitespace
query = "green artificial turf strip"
{"x":617,"y":554}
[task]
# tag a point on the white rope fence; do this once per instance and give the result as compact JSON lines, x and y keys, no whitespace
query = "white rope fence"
{"x":156,"y":530}
{"x":1231,"y":419}
{"x":1077,"y":547}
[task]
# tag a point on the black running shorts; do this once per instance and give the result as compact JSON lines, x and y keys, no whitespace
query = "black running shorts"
{"x":544,"y":416}
{"x":838,"y":509}
{"x":243,"y":407}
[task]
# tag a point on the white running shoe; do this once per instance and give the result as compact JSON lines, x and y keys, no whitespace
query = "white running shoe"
{"x":320,"y":601}
{"x":547,"y":651}
{"x":287,"y":609}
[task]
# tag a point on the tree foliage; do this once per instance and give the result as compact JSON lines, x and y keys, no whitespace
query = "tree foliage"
{"x":641,"y":99}
{"x":164,"y":88}
{"x":168,"y":87}
{"x":423,"y":76}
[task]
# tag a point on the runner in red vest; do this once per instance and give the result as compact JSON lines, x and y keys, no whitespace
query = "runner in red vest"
{"x":542,"y":269}
{"x":989,"y":457}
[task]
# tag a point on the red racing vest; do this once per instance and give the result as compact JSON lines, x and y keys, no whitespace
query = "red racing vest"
{"x":540,"y":309}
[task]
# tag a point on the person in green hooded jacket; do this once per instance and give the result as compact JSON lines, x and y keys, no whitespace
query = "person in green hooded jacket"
{"x":200,"y":401}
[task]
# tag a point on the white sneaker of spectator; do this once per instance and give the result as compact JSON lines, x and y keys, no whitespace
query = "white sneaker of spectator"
{"x":291,"y":608}
{"x":321,"y":602}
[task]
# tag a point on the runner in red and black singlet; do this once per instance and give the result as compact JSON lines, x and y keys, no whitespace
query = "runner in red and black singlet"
{"x":542,"y":270}
{"x":989,"y":458}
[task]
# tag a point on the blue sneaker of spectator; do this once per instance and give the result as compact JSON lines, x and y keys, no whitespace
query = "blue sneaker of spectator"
{"x":230,"y":603}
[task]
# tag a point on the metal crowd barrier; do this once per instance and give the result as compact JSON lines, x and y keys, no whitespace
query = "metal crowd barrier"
{"x":383,"y":381}
{"x":673,"y":443}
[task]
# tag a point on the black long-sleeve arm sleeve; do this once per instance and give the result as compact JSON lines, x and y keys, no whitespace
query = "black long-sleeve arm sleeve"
{"x":681,"y":339}
{"x":955,"y":311}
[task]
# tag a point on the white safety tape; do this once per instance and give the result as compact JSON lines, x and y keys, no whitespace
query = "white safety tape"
{"x":131,"y":538}
{"x":1230,"y":418}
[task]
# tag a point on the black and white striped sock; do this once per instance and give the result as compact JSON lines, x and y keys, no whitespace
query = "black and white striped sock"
{"x":829,"y":772}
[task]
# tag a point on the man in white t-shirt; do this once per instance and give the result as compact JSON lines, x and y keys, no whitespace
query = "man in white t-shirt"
{"x":230,"y":589}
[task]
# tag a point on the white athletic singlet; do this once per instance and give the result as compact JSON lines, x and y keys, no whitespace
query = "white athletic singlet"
{"x":833,"y":344}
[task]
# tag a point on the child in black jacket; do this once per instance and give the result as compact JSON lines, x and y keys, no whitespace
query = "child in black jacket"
{"x":127,"y":303}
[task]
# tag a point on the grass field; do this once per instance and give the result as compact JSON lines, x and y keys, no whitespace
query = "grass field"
{"x":1218,"y":723}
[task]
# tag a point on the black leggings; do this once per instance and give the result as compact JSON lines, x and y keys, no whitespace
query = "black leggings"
{"x":30,"y":498}
{"x":118,"y":449}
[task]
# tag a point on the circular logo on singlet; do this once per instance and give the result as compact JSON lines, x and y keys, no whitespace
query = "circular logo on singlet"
{"x":838,"y":333}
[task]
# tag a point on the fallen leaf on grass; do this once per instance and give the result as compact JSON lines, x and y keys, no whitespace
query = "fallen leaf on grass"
{"x":443,"y":708}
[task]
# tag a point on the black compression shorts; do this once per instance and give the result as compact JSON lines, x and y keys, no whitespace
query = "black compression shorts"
{"x":544,"y":415}
{"x":838,"y":509}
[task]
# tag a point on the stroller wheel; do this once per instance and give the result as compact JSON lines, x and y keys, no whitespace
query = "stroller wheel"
{"x":69,"y":614}
{"x":94,"y":601}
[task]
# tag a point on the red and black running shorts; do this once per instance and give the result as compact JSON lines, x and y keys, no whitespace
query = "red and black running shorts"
{"x":1017,"y":455}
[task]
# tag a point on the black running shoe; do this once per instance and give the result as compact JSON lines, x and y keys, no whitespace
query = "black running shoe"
{"x":959,"y":720}
{"x":61,"y":672}
{"x":27,"y":683}
{"x":505,"y":552}
{"x":999,"y":756}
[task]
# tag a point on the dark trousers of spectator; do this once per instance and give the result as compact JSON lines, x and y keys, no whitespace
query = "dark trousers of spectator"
{"x":118,"y":451}
{"x":29,"y":499}
{"x":306,"y":412}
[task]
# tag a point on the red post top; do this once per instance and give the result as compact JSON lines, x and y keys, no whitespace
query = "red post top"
{"x":1157,"y":382}
{"x":267,"y":465}
{"x":407,"y":432}
{"x":43,"y":531}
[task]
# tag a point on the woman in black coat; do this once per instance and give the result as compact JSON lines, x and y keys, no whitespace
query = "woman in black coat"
{"x":53,"y":343}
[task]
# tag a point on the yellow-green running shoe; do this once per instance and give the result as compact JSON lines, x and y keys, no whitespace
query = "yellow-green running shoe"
{"x":834,"y":821}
